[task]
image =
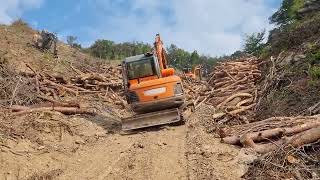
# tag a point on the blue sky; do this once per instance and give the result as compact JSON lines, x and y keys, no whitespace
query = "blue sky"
{"x":210,"y":26}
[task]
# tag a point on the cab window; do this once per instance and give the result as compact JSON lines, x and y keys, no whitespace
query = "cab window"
{"x":141,"y":68}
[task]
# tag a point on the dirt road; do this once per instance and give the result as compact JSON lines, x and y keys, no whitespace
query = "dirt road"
{"x":171,"y":152}
{"x":147,"y":155}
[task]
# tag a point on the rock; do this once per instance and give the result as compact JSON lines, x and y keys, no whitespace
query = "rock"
{"x":138,"y":145}
{"x":101,"y":134}
{"x":79,"y":141}
{"x":161,"y":143}
{"x":292,"y":160}
{"x":41,"y":147}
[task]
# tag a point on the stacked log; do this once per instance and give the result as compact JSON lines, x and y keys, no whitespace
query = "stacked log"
{"x":273,"y":133}
{"x":81,"y":83}
{"x":234,"y":92}
{"x":111,"y":78}
{"x":53,"y":87}
{"x":196,"y":92}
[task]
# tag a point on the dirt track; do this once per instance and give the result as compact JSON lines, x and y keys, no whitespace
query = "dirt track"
{"x":150,"y":155}
{"x":174,"y":152}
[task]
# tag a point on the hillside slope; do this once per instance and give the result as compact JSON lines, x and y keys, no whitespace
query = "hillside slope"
{"x":86,"y":143}
{"x":294,"y":85}
{"x":30,"y":78}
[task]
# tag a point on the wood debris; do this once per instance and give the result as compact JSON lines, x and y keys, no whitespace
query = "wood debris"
{"x":231,"y":90}
{"x":273,"y":133}
{"x":234,"y":92}
{"x":53,"y":87}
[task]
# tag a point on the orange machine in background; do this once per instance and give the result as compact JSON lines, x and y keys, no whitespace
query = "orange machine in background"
{"x":194,"y":73}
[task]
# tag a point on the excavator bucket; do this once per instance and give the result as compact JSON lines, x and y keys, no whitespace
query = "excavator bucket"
{"x":151,"y":119}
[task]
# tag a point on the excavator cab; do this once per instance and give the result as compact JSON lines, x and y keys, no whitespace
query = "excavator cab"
{"x":152,"y":89}
{"x":140,"y":68}
{"x":148,"y":87}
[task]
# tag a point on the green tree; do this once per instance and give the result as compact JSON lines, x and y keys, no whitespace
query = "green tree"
{"x":177,"y":57}
{"x":71,"y":41}
{"x":194,"y":58}
{"x":102,"y":48}
{"x":115,"y":51}
{"x":237,"y":54}
{"x":254,"y":43}
{"x":287,"y":12}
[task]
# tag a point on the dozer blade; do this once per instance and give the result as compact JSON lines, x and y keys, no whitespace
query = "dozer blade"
{"x":151,"y":119}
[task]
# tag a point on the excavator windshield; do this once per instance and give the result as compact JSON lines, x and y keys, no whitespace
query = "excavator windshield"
{"x":141,"y":68}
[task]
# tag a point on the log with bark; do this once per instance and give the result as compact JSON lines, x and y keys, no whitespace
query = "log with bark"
{"x":57,"y":92}
{"x":272,"y":133}
{"x":56,"y":85}
{"x":234,"y":88}
{"x":64,"y":110}
{"x":300,"y":139}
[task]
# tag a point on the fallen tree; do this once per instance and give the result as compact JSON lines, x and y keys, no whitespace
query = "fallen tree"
{"x":64,"y":110}
{"x":274,"y":132}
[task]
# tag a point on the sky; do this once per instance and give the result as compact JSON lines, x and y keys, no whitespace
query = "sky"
{"x":212,"y":27}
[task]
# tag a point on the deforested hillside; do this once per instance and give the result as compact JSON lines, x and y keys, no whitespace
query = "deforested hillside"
{"x":51,"y":105}
{"x":291,"y":85}
{"x":250,"y":115}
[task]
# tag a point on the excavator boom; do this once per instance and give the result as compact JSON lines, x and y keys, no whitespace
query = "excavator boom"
{"x":160,"y":52}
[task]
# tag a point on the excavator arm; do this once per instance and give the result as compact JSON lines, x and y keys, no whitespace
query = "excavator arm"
{"x":160,"y":52}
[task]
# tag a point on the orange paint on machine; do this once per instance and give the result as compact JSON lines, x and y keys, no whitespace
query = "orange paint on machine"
{"x":152,"y":89}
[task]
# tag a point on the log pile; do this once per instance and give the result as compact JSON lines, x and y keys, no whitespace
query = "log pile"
{"x":111,"y":78}
{"x":273,"y":133}
{"x":196,"y":92}
{"x":57,"y":85}
{"x":234,"y":92}
{"x":52,"y":88}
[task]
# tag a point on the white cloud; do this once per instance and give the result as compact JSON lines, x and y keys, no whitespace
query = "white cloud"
{"x":13,"y":9}
{"x":209,"y":26}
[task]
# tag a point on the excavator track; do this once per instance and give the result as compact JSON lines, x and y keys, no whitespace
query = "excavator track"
{"x":138,"y":121}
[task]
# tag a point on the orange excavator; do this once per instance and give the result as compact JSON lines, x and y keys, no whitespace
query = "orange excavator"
{"x":194,"y":73}
{"x":152,"y":89}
